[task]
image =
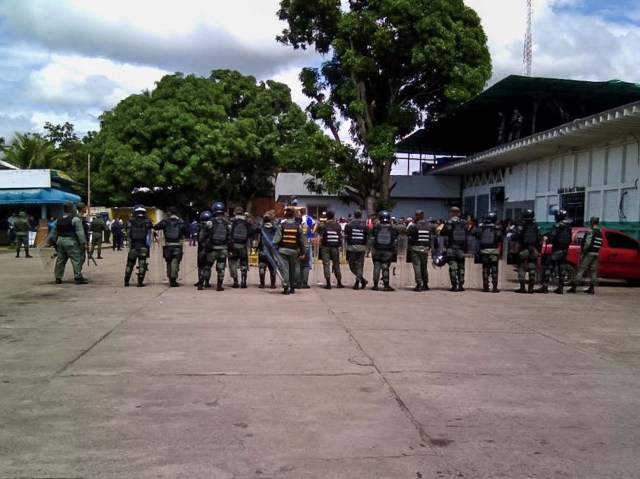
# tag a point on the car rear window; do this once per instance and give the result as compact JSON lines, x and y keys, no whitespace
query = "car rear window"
{"x":617,"y":240}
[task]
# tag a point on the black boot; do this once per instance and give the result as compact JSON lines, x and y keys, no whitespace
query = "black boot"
{"x":273,"y":281}
{"x":328,"y":285}
{"x":140,"y":281}
{"x":127,"y":277}
{"x":340,"y":285}
{"x":235,"y":283}
{"x":590,"y":290}
{"x":559,"y":290}
{"x":418,"y":287}
{"x":199,"y":283}
{"x":522,"y":288}
{"x":460,"y":288}
{"x":425,"y":287}
{"x":485,"y":286}
{"x":454,"y":287}
{"x":243,"y":284}
{"x":387,"y":287}
{"x":262,"y":275}
{"x":207,"y":284}
{"x":572,"y":289}
{"x":530,"y":288}
{"x":286,"y":290}
{"x":542,"y":289}
{"x":495,"y":288}
{"x":173,"y":283}
{"x":363,"y":283}
{"x":219,"y":286}
{"x":356,"y":284}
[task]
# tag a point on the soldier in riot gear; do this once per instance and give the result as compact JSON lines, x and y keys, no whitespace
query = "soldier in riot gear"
{"x":455,"y":237}
{"x":560,"y":238}
{"x":204,"y":248}
{"x":175,"y":231}
{"x":384,"y":240}
{"x":589,"y":250}
{"x":138,"y":229}
{"x":263,"y":263}
{"x":490,"y":237}
{"x":292,"y":247}
{"x":239,"y":238}
{"x":527,"y":236}
{"x":216,"y":238}
{"x":304,"y":264}
{"x":421,"y":235}
{"x":330,"y":234}
{"x":356,"y":235}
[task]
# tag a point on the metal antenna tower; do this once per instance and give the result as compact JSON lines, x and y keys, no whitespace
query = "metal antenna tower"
{"x":527,"y":54}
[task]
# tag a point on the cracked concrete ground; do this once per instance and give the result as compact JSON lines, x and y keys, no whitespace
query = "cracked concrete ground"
{"x":102,"y":381}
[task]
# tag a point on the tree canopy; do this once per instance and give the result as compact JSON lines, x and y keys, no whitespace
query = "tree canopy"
{"x":393,"y":64}
{"x":195,"y":139}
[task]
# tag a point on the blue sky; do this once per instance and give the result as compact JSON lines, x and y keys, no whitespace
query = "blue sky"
{"x":70,"y":60}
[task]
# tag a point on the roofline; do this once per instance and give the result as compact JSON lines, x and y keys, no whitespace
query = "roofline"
{"x":595,"y":128}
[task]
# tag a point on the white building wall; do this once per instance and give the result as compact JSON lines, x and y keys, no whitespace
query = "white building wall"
{"x":609,"y":174}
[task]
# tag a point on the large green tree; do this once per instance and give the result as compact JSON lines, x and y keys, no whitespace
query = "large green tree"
{"x":193,"y":139}
{"x":392,"y":65}
{"x":32,"y":150}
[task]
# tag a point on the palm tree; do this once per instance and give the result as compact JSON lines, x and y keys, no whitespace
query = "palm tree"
{"x":32,"y":150}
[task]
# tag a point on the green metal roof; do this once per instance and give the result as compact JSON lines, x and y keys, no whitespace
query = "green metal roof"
{"x":543,"y":103}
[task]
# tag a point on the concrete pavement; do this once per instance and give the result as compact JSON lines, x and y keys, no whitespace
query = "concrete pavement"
{"x":102,"y":381}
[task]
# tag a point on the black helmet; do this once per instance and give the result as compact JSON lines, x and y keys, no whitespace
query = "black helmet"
{"x":384,"y":216}
{"x":218,"y":207}
{"x":560,"y":215}
{"x":439,"y":260}
{"x":528,"y":215}
{"x":491,"y":218}
{"x":205,"y":216}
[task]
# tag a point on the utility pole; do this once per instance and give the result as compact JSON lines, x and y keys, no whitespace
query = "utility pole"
{"x":527,"y":54}
{"x":89,"y":184}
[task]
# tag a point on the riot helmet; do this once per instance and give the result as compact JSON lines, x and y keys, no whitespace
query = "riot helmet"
{"x":528,"y":215}
{"x":139,"y":210}
{"x":218,"y":208}
{"x":439,"y":260}
{"x":384,"y":216}
{"x":560,"y":215}
{"x":205,"y":216}
{"x":491,"y":218}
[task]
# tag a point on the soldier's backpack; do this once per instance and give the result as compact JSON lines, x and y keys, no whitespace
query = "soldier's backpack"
{"x":172,"y":229}
{"x":488,"y":237}
{"x":530,"y":234}
{"x":219,"y":233}
{"x":459,"y":234}
{"x":239,"y":231}
{"x":139,"y":229}
{"x":563,"y":236}
{"x":383,"y":238}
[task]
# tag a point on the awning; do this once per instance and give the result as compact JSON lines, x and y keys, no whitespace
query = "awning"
{"x":36,"y":196}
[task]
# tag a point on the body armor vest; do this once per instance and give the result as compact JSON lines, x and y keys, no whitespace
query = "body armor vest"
{"x":219,"y":233}
{"x":331,"y":235}
{"x":139,"y":228}
{"x":65,"y":228}
{"x":596,"y":241}
{"x":458,"y":234}
{"x":488,"y":237}
{"x":97,"y":226}
{"x":563,"y":236}
{"x":383,"y":238}
{"x":239,"y":232}
{"x":357,"y":233}
{"x":530,"y":235}
{"x":423,"y":236}
{"x":290,"y":232}
{"x":172,"y":229}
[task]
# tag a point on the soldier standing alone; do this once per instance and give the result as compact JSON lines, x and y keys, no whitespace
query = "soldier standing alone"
{"x":590,"y":248}
{"x":21,"y":229}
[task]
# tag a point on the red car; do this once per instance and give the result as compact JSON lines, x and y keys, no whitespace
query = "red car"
{"x":619,"y":256}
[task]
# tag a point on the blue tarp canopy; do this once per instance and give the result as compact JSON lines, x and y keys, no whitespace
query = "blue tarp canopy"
{"x":36,"y":196}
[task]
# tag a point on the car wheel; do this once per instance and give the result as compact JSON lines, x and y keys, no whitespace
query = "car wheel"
{"x":567,"y":274}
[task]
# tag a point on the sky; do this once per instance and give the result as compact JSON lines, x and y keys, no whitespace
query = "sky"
{"x":71,"y":60}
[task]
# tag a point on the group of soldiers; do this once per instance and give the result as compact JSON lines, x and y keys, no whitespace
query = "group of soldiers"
{"x":284,"y":250}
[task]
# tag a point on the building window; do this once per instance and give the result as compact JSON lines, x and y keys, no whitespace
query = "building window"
{"x":573,"y":204}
